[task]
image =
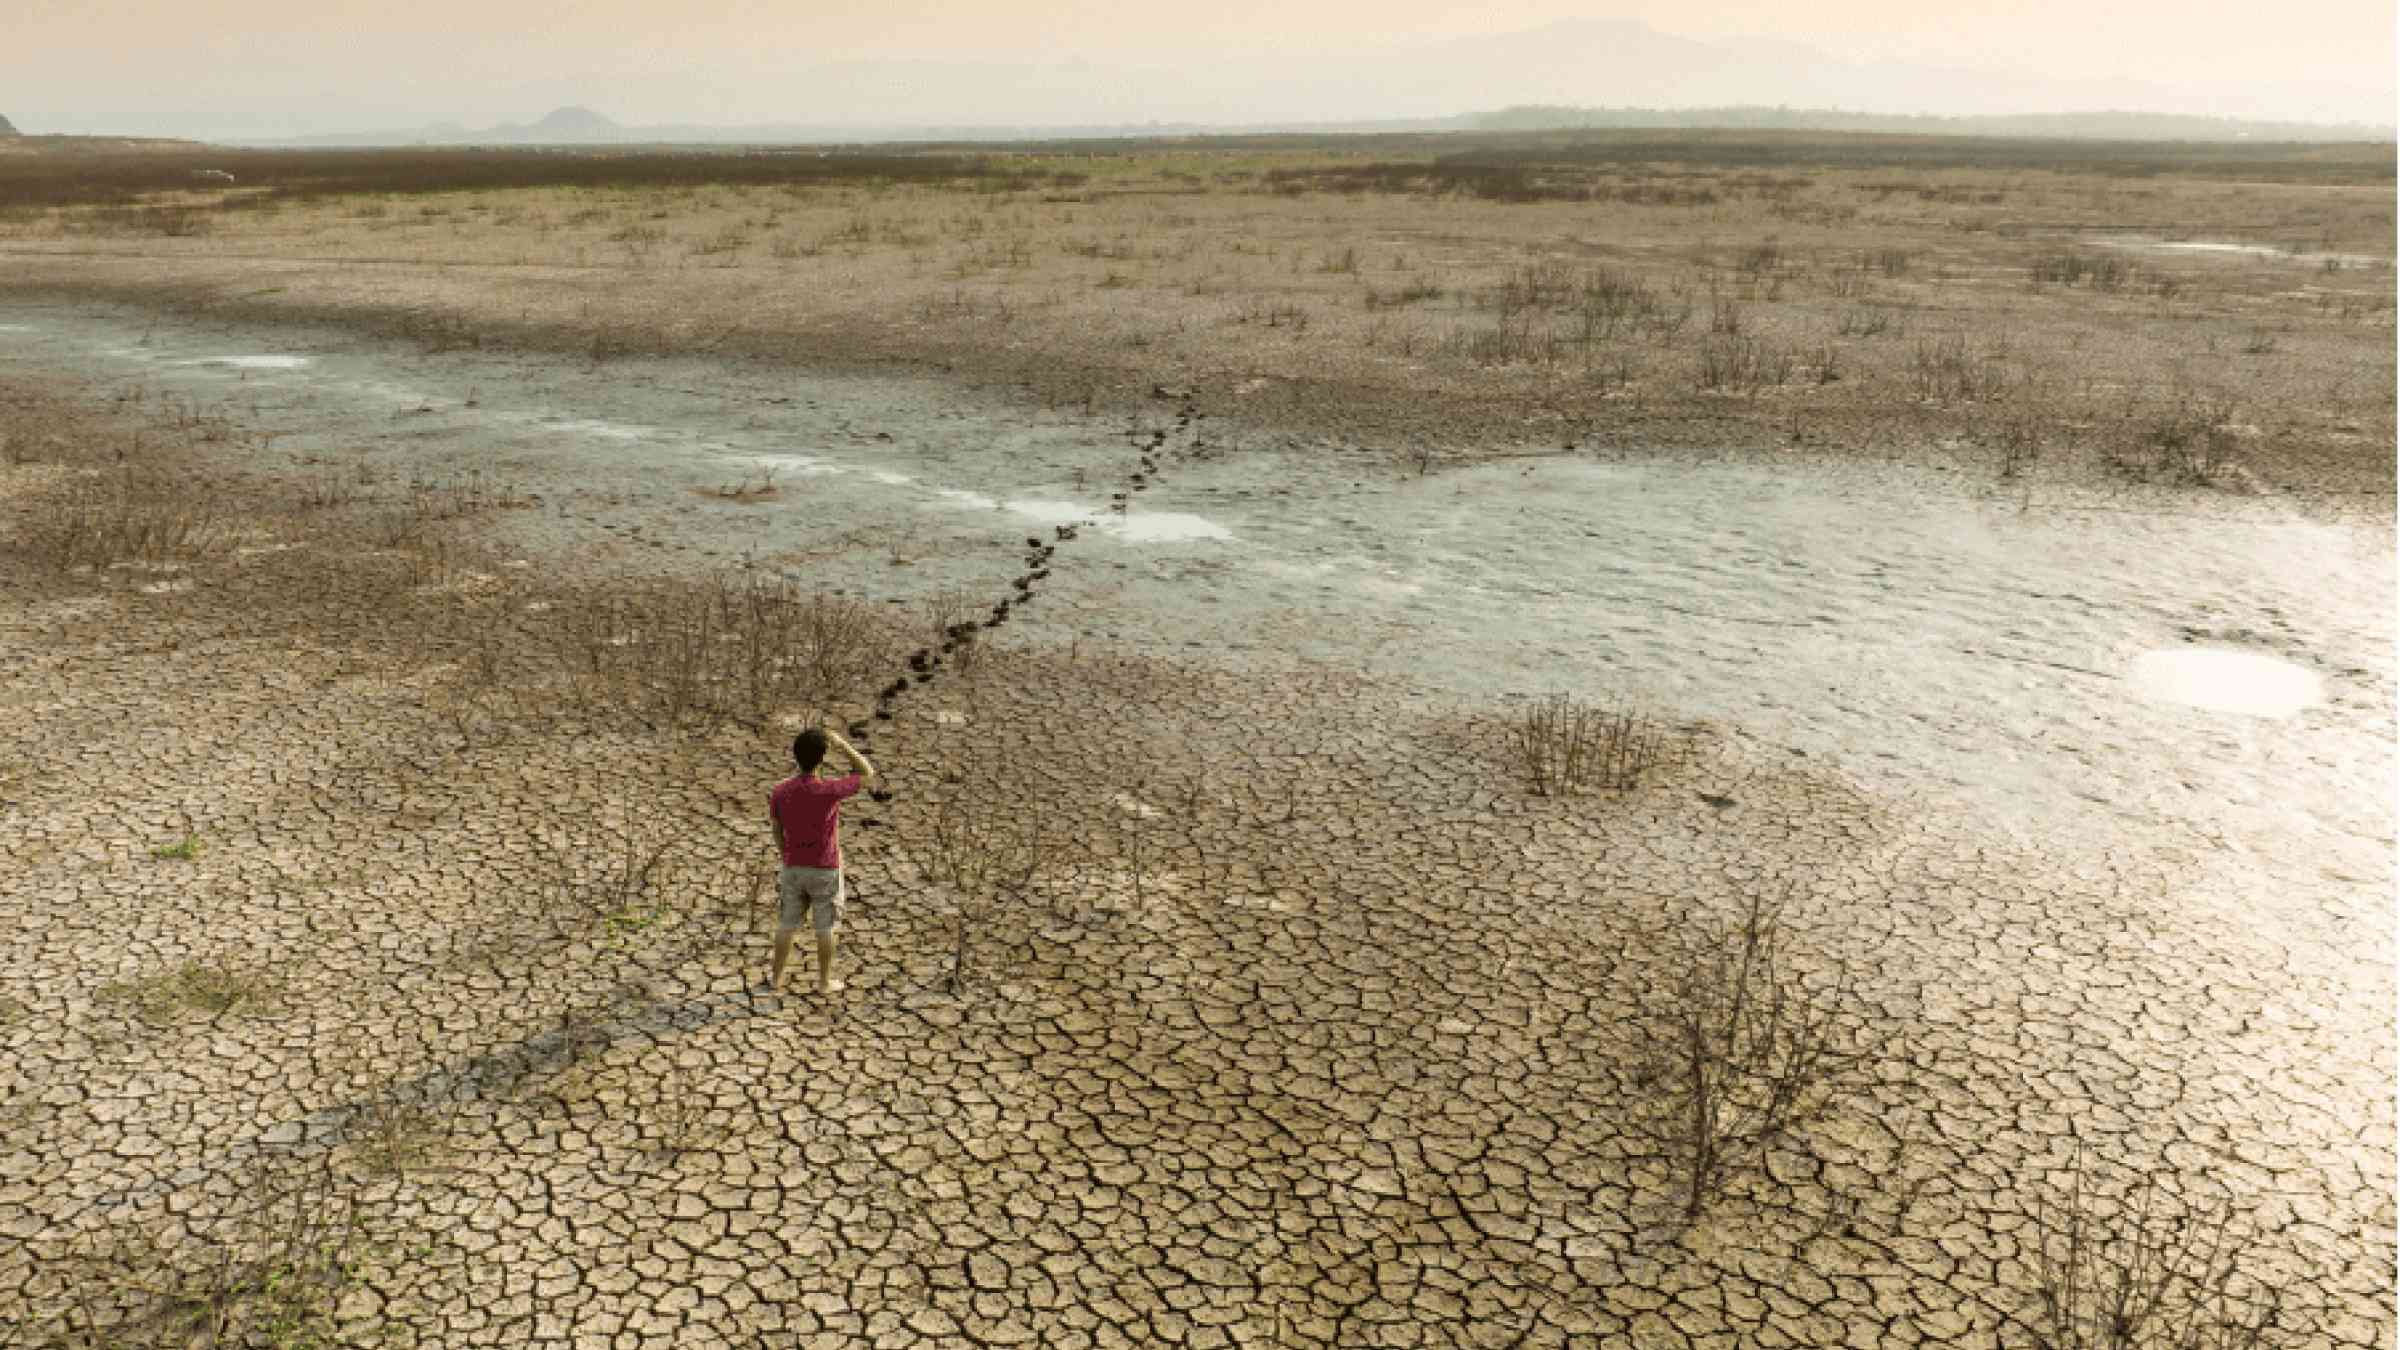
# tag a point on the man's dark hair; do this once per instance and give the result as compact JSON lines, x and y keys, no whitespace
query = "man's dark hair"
{"x":809,"y":749}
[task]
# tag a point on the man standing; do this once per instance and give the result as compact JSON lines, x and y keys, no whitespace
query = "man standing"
{"x":807,"y":814}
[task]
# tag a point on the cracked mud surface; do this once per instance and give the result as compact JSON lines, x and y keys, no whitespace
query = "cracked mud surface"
{"x":1330,"y":1034}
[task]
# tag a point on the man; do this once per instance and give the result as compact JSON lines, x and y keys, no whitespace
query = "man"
{"x":807,"y":814}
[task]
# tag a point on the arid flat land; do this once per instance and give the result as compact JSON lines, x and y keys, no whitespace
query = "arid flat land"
{"x":411,"y":575}
{"x":2143,"y":312}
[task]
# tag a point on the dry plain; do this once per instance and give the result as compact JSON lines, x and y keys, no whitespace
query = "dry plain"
{"x":411,"y":582}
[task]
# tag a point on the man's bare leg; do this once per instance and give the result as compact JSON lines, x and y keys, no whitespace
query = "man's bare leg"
{"x":783,"y":956}
{"x":826,"y":984}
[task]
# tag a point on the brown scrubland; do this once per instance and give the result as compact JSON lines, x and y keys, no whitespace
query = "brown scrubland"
{"x":387,"y":908}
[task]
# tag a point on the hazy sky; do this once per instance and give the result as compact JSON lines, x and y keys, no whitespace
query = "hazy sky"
{"x":354,"y":64}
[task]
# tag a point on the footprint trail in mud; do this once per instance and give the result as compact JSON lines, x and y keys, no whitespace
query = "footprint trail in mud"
{"x":1157,"y":449}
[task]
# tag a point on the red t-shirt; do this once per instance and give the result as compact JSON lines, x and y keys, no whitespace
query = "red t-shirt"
{"x":810,"y":811}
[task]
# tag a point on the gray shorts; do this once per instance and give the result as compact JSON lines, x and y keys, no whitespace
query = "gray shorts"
{"x":800,"y":889}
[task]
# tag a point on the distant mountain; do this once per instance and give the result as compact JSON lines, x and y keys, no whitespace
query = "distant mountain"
{"x":573,"y":124}
{"x":5,"y":128}
{"x":562,"y":126}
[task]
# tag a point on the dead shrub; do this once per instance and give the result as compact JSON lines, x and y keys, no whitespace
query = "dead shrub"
{"x":985,"y":859}
{"x":269,"y":1273}
{"x":1942,"y":370}
{"x":331,"y":489}
{"x":1562,"y":746}
{"x":2191,"y":444}
{"x":1540,"y":285}
{"x":953,"y":614}
{"x":126,"y":515}
{"x":1742,"y":364}
{"x":758,"y":485}
{"x":733,"y":648}
{"x":1742,"y":1051}
{"x":2121,"y":1264}
{"x":398,"y":1132}
{"x":2099,"y":272}
{"x":2018,"y":442}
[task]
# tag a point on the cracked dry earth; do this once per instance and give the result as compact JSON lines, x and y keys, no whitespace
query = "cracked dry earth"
{"x":1322,"y":1032}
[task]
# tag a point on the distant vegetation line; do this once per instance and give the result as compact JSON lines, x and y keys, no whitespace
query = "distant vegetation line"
{"x":32,"y":182}
{"x":1581,"y":164}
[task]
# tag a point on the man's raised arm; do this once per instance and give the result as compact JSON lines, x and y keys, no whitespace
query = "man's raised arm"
{"x":866,"y":767}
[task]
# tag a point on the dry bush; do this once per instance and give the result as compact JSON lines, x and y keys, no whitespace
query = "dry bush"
{"x":611,"y":882}
{"x":477,"y":491}
{"x":1942,"y":370}
{"x":758,"y":485}
{"x":953,"y":614}
{"x":2191,"y":444}
{"x":269,"y":1274}
{"x":1743,"y":1051}
{"x":1562,"y":746}
{"x":735,"y":647}
{"x":333,"y":489}
{"x":2122,"y":1265}
{"x":1742,"y":364}
{"x":2018,"y":441}
{"x":1415,"y":291}
{"x":1418,"y":458}
{"x":1543,"y":311}
{"x":134,"y":514}
{"x":2099,"y":272}
{"x":985,"y":859}
{"x":401,"y":1131}
{"x":681,"y":1107}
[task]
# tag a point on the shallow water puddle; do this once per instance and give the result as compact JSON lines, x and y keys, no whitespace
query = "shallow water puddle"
{"x":1136,"y":527}
{"x":2227,"y":681}
{"x":1049,"y":510}
{"x":805,"y":466}
{"x":1157,"y":527}
{"x":251,"y":362}
{"x":2204,"y":246}
{"x":592,"y":426}
{"x":2226,"y":249}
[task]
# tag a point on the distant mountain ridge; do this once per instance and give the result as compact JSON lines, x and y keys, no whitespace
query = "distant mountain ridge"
{"x":2113,"y":125}
{"x":581,"y":126}
{"x":1596,"y":72}
{"x":6,"y":129}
